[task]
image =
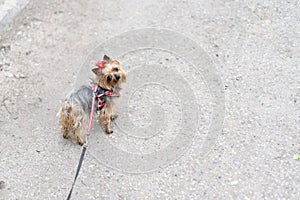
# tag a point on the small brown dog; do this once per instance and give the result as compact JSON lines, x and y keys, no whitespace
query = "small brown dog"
{"x":74,"y":114}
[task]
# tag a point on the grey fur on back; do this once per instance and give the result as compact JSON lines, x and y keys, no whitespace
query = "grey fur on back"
{"x":81,"y":97}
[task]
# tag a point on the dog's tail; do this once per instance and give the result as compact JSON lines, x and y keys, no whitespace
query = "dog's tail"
{"x":64,"y":114}
{"x":65,"y":109}
{"x":72,"y":116}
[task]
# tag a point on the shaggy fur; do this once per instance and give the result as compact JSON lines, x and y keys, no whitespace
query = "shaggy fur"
{"x":75,"y":110}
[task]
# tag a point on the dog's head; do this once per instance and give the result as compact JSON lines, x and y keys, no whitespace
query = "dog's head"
{"x":109,"y":73}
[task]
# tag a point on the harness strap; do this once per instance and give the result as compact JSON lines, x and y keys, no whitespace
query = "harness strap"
{"x":92,"y":112}
{"x":104,"y":92}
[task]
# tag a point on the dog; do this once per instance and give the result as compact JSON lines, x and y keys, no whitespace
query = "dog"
{"x":74,"y":114}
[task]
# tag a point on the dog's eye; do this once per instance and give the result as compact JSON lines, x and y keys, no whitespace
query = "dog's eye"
{"x":116,"y":69}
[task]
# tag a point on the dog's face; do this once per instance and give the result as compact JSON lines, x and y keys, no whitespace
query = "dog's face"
{"x":111,"y":74}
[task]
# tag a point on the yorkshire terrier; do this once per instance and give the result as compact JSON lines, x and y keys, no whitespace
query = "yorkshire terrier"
{"x":74,"y":114}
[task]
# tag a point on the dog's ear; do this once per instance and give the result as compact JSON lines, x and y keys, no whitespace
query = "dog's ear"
{"x":107,"y":59}
{"x":95,"y":70}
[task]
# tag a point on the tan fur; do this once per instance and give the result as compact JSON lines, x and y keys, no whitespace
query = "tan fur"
{"x":74,"y":117}
{"x":73,"y":120}
{"x":106,"y":114}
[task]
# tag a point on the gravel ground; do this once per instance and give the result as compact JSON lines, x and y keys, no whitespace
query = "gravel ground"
{"x":249,"y":53}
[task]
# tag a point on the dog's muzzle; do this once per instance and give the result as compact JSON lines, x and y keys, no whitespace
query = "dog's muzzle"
{"x":117,"y":76}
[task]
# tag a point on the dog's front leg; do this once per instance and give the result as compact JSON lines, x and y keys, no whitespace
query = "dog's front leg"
{"x":105,"y":119}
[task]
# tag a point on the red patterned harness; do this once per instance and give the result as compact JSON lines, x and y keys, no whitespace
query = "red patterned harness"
{"x":100,"y":92}
{"x":101,"y":104}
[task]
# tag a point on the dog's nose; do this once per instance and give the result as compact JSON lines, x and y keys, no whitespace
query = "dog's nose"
{"x":117,"y":76}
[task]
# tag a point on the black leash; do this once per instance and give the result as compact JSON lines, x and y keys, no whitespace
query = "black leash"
{"x":78,"y":169}
{"x":85,"y":145}
{"x":95,"y":88}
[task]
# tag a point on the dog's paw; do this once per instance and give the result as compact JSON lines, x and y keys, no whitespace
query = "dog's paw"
{"x":113,"y":117}
{"x":66,"y":136}
{"x":109,"y":131}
